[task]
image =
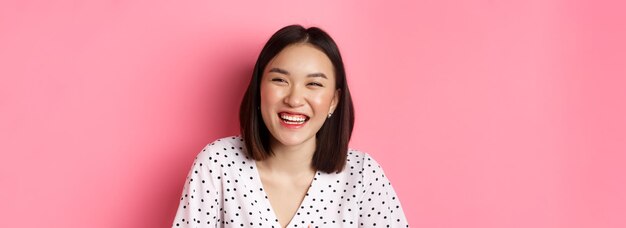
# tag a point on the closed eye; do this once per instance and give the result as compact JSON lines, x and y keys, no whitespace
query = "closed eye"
{"x":316,"y":84}
{"x":278,"y":80}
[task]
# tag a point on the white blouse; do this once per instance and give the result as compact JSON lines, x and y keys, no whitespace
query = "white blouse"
{"x":223,"y":189}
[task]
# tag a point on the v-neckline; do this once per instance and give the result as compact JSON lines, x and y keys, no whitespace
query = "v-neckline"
{"x":268,"y":204}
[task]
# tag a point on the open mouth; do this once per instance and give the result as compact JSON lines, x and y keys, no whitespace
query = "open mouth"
{"x":292,"y":119}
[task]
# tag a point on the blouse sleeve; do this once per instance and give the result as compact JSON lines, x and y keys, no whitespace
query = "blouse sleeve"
{"x":199,"y":201}
{"x":379,"y":205}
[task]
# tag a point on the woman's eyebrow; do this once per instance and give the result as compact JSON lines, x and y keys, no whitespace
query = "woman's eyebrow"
{"x":321,"y":75}
{"x":285,"y":72}
{"x":278,"y":70}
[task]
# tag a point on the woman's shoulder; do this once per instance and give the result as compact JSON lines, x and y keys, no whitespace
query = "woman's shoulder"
{"x":358,"y":157}
{"x":364,"y":164}
{"x":224,"y":149}
{"x":233,"y":142}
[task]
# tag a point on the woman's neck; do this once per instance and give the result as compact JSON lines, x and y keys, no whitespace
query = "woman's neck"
{"x":290,"y":159}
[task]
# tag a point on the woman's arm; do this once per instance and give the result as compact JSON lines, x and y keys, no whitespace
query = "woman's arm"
{"x":200,"y":199}
{"x":379,"y":205}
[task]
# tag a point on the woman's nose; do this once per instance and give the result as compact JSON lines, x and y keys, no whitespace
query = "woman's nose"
{"x":295,"y":98}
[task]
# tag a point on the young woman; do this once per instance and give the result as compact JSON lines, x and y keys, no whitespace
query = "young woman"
{"x":291,"y":166}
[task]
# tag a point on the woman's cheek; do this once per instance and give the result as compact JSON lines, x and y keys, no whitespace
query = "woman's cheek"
{"x":270,"y":94}
{"x":322,"y":99}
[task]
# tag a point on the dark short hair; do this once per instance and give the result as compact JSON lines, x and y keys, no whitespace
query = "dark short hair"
{"x":332,"y":139}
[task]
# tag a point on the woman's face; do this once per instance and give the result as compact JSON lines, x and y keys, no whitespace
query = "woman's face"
{"x":297,"y":94}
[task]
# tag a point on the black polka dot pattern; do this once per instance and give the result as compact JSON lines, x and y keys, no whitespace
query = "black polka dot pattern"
{"x":223,"y":189}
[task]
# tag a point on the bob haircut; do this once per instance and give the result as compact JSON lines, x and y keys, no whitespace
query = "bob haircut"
{"x":332,"y":139}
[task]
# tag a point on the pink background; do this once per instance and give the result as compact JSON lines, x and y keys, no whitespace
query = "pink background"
{"x":483,"y":113}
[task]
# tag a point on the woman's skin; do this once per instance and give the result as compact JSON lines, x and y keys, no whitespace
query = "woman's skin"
{"x":297,"y":84}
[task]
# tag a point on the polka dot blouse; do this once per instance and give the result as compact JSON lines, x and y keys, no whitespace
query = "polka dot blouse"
{"x":223,"y":189}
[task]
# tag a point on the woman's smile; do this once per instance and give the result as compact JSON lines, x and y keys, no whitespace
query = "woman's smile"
{"x":292,"y":120}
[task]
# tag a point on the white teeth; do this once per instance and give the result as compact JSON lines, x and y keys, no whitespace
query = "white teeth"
{"x":292,"y":118}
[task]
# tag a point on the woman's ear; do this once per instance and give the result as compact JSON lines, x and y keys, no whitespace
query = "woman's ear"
{"x":335,"y":101}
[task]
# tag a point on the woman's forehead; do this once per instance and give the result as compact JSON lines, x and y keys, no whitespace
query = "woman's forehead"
{"x":301,"y":59}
